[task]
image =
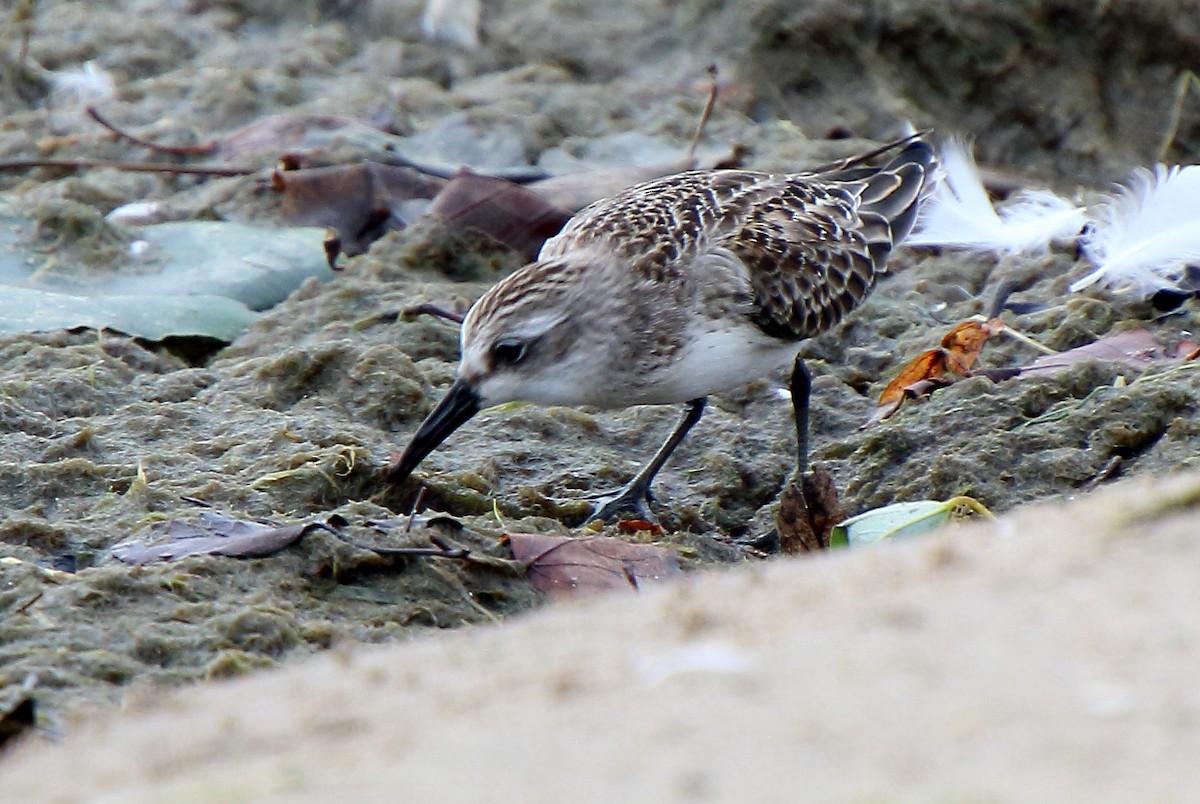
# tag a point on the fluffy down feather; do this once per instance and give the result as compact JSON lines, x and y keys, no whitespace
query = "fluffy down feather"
{"x":960,"y":213}
{"x":1143,"y":238}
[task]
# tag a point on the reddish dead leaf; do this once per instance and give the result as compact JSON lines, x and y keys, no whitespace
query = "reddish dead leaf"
{"x":216,"y":534}
{"x":961,"y":347}
{"x":563,"y":566}
{"x":959,"y":350}
{"x":930,"y":365}
{"x":638,"y":526}
{"x":925,"y":366}
{"x":357,"y":201}
{"x":1136,"y":348}
{"x":964,"y":343}
{"x":808,"y":512}
{"x":364,"y":201}
{"x":517,"y":217}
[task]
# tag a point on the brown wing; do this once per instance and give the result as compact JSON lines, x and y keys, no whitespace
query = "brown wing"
{"x":810,"y":255}
{"x":815,"y":244}
{"x":812,"y":243}
{"x":659,"y":225}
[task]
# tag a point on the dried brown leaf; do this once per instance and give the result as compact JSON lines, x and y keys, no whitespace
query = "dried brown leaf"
{"x":357,"y":201}
{"x":216,"y":534}
{"x":1134,"y":347}
{"x":925,"y":366}
{"x":517,"y":217}
{"x":563,"y":566}
{"x":920,"y":388}
{"x":808,"y":512}
{"x":964,"y":343}
{"x":959,"y":350}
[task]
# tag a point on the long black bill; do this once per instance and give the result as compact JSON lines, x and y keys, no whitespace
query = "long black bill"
{"x":459,"y":404}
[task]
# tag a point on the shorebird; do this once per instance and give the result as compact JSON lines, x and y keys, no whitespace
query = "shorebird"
{"x":679,"y":288}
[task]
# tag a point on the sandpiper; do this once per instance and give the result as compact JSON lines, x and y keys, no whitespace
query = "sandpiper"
{"x":679,"y":288}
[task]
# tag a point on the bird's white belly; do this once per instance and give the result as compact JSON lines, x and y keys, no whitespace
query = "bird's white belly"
{"x":717,"y":360}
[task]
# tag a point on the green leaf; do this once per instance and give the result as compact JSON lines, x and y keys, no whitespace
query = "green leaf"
{"x":899,"y":520}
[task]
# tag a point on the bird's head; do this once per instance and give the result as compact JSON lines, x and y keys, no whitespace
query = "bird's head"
{"x":524,"y":340}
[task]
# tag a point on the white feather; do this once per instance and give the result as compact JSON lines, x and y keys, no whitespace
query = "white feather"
{"x":1143,"y":238}
{"x":961,"y":214}
{"x":89,"y":83}
{"x":453,"y":21}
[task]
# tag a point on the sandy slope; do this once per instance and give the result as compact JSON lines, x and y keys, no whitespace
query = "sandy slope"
{"x":1050,"y":656}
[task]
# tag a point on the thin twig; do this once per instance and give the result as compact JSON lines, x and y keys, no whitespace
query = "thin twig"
{"x":1112,"y":467}
{"x":176,"y":150}
{"x":442,"y":544}
{"x":133,"y":167}
{"x":441,"y":549}
{"x":412,"y":512}
{"x":427,"y":308}
{"x":1016,"y":334}
{"x":419,"y":552}
{"x":1186,"y":81}
{"x":25,"y":606}
{"x":708,"y":109}
{"x":23,"y":18}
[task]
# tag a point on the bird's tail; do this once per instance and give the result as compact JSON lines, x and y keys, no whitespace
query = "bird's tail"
{"x":890,"y":195}
{"x":896,"y":191}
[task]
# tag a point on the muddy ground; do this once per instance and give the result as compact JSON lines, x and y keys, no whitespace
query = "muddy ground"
{"x":1048,"y":656}
{"x":101,"y":435}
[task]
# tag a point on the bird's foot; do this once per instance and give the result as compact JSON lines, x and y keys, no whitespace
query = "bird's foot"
{"x":633,"y":501}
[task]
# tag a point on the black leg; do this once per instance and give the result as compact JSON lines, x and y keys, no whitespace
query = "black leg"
{"x":635,"y":496}
{"x":808,"y":506}
{"x":801,"y":389}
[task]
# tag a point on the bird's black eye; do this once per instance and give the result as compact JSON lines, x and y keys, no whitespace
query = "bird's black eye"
{"x":508,"y":351}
